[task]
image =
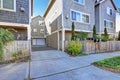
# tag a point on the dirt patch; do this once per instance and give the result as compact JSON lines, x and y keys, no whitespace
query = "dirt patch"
{"x":109,"y":69}
{"x":17,"y":60}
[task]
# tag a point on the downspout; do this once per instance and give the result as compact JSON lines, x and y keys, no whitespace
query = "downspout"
{"x":63,"y":31}
{"x":100,"y":21}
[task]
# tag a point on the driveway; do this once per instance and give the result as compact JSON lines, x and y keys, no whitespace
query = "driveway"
{"x":15,"y":71}
{"x":56,"y":65}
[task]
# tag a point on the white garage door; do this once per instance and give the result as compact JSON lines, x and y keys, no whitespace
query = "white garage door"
{"x":38,"y":41}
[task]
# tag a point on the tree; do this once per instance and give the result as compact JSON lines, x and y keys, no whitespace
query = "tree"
{"x":94,"y":32}
{"x":105,"y":35}
{"x":82,"y":35}
{"x":5,"y":36}
{"x":119,"y":36}
{"x":73,"y":32}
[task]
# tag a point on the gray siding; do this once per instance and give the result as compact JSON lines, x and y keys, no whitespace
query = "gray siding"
{"x":103,"y":15}
{"x":56,"y":24}
{"x":35,"y":25}
{"x":87,"y":8}
{"x":97,"y":19}
{"x":18,"y":16}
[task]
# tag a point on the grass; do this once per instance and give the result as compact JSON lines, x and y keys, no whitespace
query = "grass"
{"x":28,"y":79}
{"x":112,"y":64}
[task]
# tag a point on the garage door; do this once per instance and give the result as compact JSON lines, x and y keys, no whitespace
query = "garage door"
{"x":38,"y":41}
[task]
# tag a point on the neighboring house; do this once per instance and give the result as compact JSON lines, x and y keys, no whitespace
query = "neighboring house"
{"x":16,"y":14}
{"x":60,"y":14}
{"x":38,"y":31}
{"x":105,"y":17}
{"x":59,"y":17}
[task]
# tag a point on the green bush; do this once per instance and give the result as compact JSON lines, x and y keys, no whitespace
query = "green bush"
{"x":5,"y":36}
{"x":74,"y":48}
{"x":104,"y":39}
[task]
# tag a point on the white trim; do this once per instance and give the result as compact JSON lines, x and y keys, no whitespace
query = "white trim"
{"x":30,"y":11}
{"x":100,"y":21}
{"x":79,"y":2}
{"x":56,"y":31}
{"x":81,"y":13}
{"x":63,"y":31}
{"x":109,"y":21}
{"x":109,"y":11}
{"x":13,"y":24}
{"x":1,"y":8}
{"x":78,"y":30}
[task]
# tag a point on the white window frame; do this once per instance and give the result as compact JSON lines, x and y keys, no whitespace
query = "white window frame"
{"x":14,"y":10}
{"x":81,"y":13}
{"x":109,"y":11}
{"x":80,"y":2}
{"x":35,"y":30}
{"x":109,"y":22}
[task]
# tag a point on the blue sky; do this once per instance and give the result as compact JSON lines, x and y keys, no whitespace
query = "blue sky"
{"x":40,"y":6}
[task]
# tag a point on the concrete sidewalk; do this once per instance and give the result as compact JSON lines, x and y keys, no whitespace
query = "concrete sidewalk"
{"x":56,"y":65}
{"x":16,"y":71}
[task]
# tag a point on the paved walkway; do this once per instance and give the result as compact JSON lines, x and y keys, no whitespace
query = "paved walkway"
{"x":13,"y":71}
{"x":56,"y":65}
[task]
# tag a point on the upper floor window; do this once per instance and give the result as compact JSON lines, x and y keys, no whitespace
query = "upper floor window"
{"x":109,"y":11}
{"x":80,"y":1}
{"x":40,"y":22}
{"x":8,"y":5}
{"x":108,"y":24}
{"x":85,"y":18}
{"x":80,"y":17}
{"x":41,"y":30}
{"x":34,"y":30}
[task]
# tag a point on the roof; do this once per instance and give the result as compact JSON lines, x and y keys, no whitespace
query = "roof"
{"x":38,"y":16}
{"x":101,"y":1}
{"x":49,"y":7}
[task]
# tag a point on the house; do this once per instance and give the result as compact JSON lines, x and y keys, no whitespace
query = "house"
{"x":105,"y":17}
{"x":60,"y":14}
{"x":16,"y":14}
{"x":38,"y":31}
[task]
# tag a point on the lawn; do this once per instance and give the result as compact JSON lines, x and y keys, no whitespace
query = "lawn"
{"x":111,"y":64}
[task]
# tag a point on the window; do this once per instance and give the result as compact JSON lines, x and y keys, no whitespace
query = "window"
{"x":73,"y":15}
{"x":41,"y":30}
{"x":8,"y":5}
{"x":40,"y":22}
{"x":80,"y":1}
{"x":85,"y":18}
{"x":34,"y":30}
{"x":108,"y":24}
{"x":79,"y":17}
{"x":109,"y":11}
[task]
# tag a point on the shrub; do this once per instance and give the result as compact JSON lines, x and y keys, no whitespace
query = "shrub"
{"x":94,"y":32}
{"x":82,"y":35}
{"x":106,"y":37}
{"x":15,"y":55}
{"x":73,"y":31}
{"x":119,"y":36}
{"x":74,"y":48}
{"x":5,"y":36}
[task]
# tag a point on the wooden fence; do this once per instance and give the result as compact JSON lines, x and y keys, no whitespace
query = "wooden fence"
{"x":16,"y":46}
{"x":90,"y":46}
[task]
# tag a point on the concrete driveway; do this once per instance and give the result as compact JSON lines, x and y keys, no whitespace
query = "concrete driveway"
{"x":56,"y":65}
